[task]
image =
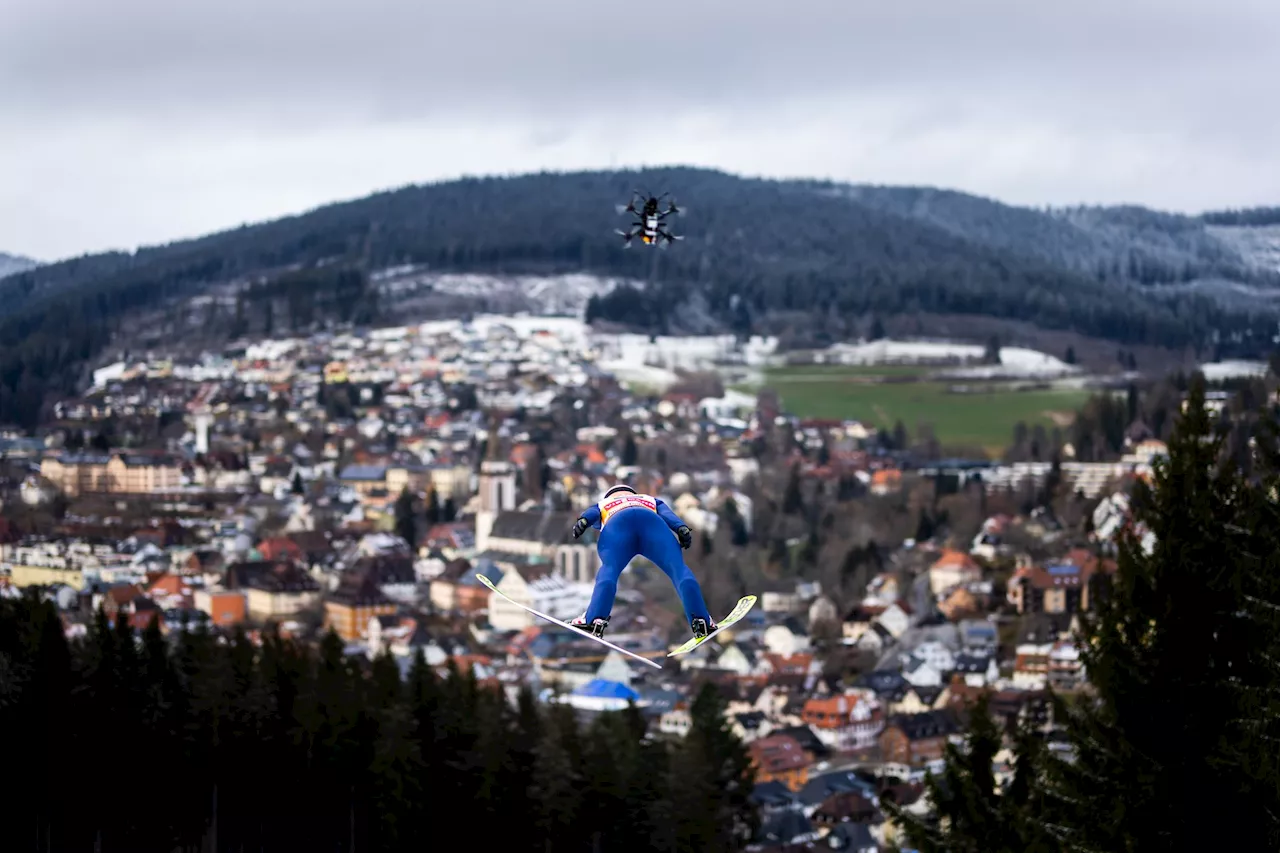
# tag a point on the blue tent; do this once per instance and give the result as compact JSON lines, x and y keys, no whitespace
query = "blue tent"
{"x":598,"y":688}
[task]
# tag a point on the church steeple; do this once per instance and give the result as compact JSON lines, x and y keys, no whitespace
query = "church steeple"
{"x":493,"y":444}
{"x":497,"y":484}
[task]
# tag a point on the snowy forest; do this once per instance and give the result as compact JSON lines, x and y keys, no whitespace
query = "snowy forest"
{"x":760,"y":256}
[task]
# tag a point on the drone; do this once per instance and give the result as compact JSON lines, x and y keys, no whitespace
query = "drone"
{"x":649,"y":225}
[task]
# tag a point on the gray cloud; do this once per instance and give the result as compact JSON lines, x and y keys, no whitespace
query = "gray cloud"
{"x":139,"y":120}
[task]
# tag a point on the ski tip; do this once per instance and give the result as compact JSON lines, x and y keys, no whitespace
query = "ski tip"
{"x":484,"y":580}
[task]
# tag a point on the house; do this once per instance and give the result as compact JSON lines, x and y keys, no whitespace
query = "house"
{"x":285,"y":590}
{"x":962,"y":602}
{"x":224,"y":607}
{"x":1066,"y":586}
{"x":952,"y":569}
{"x":780,"y":758}
{"x":1031,"y":665}
{"x":936,"y":653}
{"x":786,"y":638}
{"x":978,"y":636}
{"x":920,"y":672}
{"x":918,"y":700}
{"x":675,"y":722}
{"x":977,"y":668}
{"x":750,"y":726}
{"x":1066,"y":670}
{"x":876,"y":640}
{"x":915,"y":739}
{"x":537,"y":587}
{"x":356,"y":600}
{"x":443,"y":591}
{"x":846,"y":807}
{"x":403,"y":636}
{"x":895,"y":618}
{"x":808,"y":740}
{"x":848,"y":722}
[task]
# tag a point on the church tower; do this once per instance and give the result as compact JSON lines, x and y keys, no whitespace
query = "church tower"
{"x":497,"y":486}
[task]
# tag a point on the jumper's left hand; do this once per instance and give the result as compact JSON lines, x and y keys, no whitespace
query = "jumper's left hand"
{"x":685,"y":535}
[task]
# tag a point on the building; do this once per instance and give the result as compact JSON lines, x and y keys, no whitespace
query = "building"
{"x":356,"y":600}
{"x":952,"y":569}
{"x":116,"y":473}
{"x":917,"y":739}
{"x":286,"y":590}
{"x":780,"y":758}
{"x":537,"y":587}
{"x":1062,"y":587}
{"x":845,"y":723}
{"x":224,"y":607}
{"x":497,"y":490}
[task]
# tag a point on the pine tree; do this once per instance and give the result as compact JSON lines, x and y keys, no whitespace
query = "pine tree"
{"x":629,"y":451}
{"x":711,"y":781}
{"x":792,"y":499}
{"x":972,"y":813}
{"x":407,"y":518}
{"x":1173,"y":657}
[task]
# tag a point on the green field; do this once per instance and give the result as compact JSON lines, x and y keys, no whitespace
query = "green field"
{"x":984,"y":419}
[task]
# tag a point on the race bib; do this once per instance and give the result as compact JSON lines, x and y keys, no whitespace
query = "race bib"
{"x":618,"y":504}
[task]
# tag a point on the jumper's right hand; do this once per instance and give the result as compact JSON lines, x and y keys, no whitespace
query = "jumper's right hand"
{"x":580,"y":527}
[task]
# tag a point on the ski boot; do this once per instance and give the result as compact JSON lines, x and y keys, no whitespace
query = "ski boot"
{"x":702,"y":627}
{"x":596,"y":627}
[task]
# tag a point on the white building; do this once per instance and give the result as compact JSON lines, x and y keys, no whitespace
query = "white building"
{"x":545,"y":592}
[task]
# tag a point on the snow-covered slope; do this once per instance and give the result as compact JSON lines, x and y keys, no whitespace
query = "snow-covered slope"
{"x":1219,"y":370}
{"x":12,"y":264}
{"x":1014,"y":361}
{"x":1259,"y":245}
{"x":565,"y":295}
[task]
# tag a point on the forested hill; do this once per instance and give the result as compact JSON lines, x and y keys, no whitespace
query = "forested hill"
{"x":10,"y":264}
{"x":757,"y":254}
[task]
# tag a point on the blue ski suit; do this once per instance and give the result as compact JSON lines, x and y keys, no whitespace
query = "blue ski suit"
{"x":639,"y":525}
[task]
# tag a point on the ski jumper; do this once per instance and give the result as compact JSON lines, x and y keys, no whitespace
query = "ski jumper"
{"x":639,"y":525}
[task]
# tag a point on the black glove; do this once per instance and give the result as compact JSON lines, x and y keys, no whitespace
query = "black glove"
{"x":685,"y":535}
{"x":579,"y":527}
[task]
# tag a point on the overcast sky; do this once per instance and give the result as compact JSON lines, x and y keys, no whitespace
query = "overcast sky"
{"x":131,"y":122}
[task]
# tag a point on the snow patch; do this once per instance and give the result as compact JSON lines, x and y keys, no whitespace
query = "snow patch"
{"x":544,"y":294}
{"x":1217,"y":371}
{"x":1259,"y":245}
{"x":1014,"y":361}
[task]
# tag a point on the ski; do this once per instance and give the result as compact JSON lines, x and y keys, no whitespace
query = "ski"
{"x":739,"y":610}
{"x":484,"y":580}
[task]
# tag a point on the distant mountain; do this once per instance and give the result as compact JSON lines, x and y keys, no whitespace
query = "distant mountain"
{"x":10,"y":264}
{"x":817,"y":259}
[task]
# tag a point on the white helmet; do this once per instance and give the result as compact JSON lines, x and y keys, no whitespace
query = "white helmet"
{"x":621,"y":487}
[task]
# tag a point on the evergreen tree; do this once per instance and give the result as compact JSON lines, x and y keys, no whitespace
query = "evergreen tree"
{"x":1182,"y":713}
{"x":972,"y":812}
{"x":792,"y":500}
{"x":629,"y":451}
{"x":1167,"y":653}
{"x":296,"y":487}
{"x":711,"y":781}
{"x":407,"y":518}
{"x":433,"y":507}
{"x":283,"y":747}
